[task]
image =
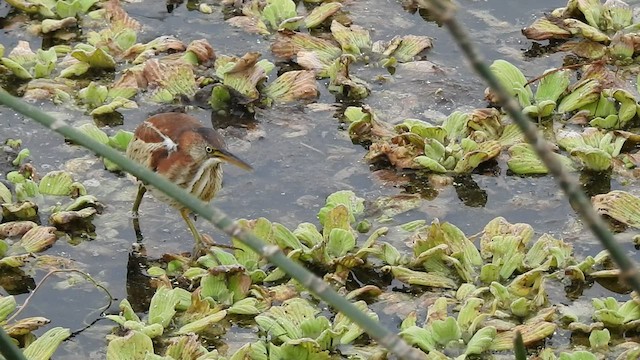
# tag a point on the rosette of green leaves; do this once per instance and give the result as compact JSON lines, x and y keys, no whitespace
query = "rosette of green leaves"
{"x":172,"y":312}
{"x":240,"y":77}
{"x":27,"y":65}
{"x":101,"y":100}
{"x":615,"y":314}
{"x":615,"y":109}
{"x":545,"y":100}
{"x":119,"y":141}
{"x":295,"y":330}
{"x":590,"y":20}
{"x":444,"y":249}
{"x":464,"y":333}
{"x":593,"y":147}
{"x":53,"y":9}
{"x":445,"y":147}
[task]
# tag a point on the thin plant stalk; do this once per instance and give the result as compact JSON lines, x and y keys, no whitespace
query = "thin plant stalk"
{"x":8,"y":349}
{"x":377,"y":331}
{"x":518,"y":347}
{"x":444,"y":10}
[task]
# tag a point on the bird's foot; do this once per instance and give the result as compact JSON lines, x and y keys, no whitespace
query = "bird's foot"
{"x":208,"y":242}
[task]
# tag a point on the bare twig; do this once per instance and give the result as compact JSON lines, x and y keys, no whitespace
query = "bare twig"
{"x":568,"y":67}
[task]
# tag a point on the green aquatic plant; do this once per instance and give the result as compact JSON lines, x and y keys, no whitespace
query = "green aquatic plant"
{"x":53,"y":9}
{"x":119,"y":141}
{"x":459,"y":145}
{"x":595,"y":148}
{"x":619,"y":205}
{"x":174,"y":313}
{"x":100,"y":100}
{"x":27,"y":65}
{"x":274,"y":15}
{"x":523,"y":160}
{"x":543,"y":104}
{"x":295,"y":329}
{"x":598,"y":29}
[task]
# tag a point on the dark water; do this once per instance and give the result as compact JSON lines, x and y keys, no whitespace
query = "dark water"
{"x":298,"y":152}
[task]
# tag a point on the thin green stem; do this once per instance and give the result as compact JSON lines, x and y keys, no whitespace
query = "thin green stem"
{"x":377,"y":331}
{"x":444,"y":11}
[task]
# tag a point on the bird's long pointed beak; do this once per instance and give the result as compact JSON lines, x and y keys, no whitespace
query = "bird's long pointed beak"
{"x":232,"y":159}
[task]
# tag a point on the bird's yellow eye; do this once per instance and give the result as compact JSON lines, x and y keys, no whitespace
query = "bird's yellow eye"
{"x":208,"y":149}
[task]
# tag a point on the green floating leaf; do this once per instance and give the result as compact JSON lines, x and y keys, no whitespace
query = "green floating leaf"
{"x":524,"y":161}
{"x":278,"y":13}
{"x":545,"y":29}
{"x":243,"y":74}
{"x":117,"y":103}
{"x":403,"y":48}
{"x":445,"y":330}
{"x":94,"y":132}
{"x":133,"y":346}
{"x":292,"y":86}
{"x":481,"y":341}
{"x":163,"y":306}
{"x":75,"y":69}
{"x":340,"y":242}
{"x":16,"y":69}
{"x":96,"y":58}
{"x":552,"y":85}
{"x":45,"y":345}
{"x":577,"y":27}
{"x":421,"y":337}
{"x":413,"y":277}
{"x":22,"y":155}
{"x":353,"y":203}
{"x":294,"y":319}
{"x":345,"y":326}
{"x":321,"y":13}
{"x":58,"y":183}
{"x":513,"y":80}
{"x":586,"y":93}
{"x":7,"y":306}
{"x":619,"y":205}
{"x":353,"y":40}
{"x":599,"y":339}
{"x":202,"y":323}
{"x":121,"y":140}
{"x":93,"y":95}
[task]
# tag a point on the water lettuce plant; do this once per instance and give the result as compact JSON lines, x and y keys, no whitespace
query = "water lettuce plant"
{"x":458,"y":145}
{"x":553,"y":84}
{"x":595,"y":148}
{"x":620,"y":206}
{"x":593,"y":29}
{"x":602,"y":101}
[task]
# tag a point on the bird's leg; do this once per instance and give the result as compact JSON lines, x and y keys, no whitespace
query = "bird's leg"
{"x":141,"y":190}
{"x":196,"y":235}
{"x":201,"y":243}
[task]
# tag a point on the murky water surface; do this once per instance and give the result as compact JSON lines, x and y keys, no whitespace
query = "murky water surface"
{"x":299,"y":154}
